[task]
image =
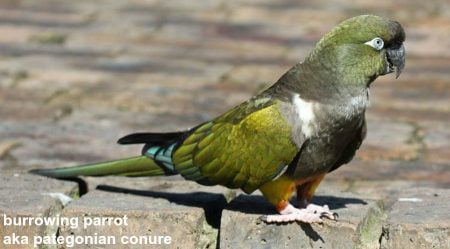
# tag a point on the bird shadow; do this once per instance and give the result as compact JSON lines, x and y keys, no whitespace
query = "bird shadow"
{"x":214,"y":203}
{"x":211,"y":203}
{"x":254,"y":204}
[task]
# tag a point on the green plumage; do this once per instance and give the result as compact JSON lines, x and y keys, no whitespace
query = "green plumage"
{"x":244,"y":148}
{"x":310,"y":122}
{"x":134,"y":166}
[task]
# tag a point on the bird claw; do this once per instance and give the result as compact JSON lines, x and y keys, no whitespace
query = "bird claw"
{"x":323,"y":210}
{"x":329,"y":215}
{"x":263,"y":218}
{"x":335,"y":215}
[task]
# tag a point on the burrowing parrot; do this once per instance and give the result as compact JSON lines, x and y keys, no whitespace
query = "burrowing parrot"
{"x":288,"y":137}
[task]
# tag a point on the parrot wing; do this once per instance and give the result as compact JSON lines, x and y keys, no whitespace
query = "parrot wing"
{"x":244,"y":148}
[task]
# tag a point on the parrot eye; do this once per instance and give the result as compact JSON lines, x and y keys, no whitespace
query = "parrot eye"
{"x":376,"y":43}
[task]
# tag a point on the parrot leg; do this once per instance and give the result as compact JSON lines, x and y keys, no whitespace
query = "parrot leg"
{"x":279,"y":192}
{"x":305,"y":193}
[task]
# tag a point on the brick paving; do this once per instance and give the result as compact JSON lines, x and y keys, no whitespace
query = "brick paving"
{"x":77,"y":75}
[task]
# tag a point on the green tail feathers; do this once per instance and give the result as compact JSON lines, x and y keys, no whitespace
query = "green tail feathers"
{"x":155,"y":161}
{"x":133,"y":166}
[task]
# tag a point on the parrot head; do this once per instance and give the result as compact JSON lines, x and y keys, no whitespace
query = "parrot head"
{"x":362,"y":48}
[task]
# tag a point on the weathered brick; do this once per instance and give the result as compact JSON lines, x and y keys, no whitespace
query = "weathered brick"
{"x":187,"y":212}
{"x":128,"y":66}
{"x":24,"y":195}
{"x":437,"y":142}
{"x":389,"y":140}
{"x":358,"y":226}
{"x":418,"y":219}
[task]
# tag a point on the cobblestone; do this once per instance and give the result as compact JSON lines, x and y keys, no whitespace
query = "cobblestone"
{"x":23,"y":195}
{"x":76,"y":76}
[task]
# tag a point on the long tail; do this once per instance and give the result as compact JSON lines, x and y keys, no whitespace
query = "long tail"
{"x":134,"y":166}
{"x":155,"y":161}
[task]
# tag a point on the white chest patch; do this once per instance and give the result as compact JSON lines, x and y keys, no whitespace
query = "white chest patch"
{"x":355,"y":106}
{"x":305,"y":112}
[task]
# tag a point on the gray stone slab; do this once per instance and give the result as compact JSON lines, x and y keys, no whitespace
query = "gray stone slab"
{"x":24,"y":196}
{"x":186,"y":212}
{"x":419,"y":219}
{"x":359,"y":225}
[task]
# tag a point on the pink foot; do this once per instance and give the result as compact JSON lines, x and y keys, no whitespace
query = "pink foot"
{"x":324,"y":211}
{"x":290,"y":214}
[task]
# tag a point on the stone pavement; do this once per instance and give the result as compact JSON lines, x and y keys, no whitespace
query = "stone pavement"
{"x":77,"y":75}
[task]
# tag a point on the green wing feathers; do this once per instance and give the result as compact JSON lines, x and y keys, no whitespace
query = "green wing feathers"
{"x":134,"y":166}
{"x":244,"y":148}
{"x":236,"y":150}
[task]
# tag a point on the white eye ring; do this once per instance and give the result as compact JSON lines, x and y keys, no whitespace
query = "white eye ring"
{"x":376,"y":43}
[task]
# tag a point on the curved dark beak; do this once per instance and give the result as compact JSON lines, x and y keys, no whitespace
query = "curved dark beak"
{"x":396,"y":60}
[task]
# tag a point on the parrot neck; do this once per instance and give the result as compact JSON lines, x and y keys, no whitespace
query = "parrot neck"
{"x":315,"y":83}
{"x":336,"y":68}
